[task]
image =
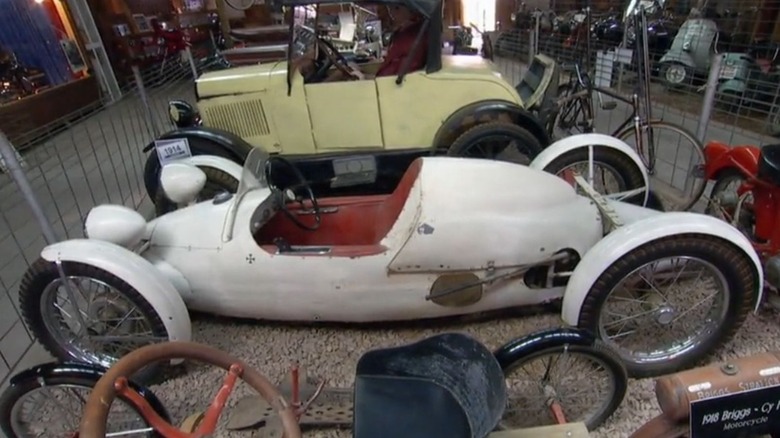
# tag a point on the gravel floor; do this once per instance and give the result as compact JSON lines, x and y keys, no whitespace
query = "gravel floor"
{"x":332,"y":352}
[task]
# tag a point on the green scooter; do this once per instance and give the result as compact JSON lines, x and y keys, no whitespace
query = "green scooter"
{"x":691,"y":52}
{"x":750,"y":79}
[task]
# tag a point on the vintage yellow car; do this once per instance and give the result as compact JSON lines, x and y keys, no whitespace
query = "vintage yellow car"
{"x":362,"y":131}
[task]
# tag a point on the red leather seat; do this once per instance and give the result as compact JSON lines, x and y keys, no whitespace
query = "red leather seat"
{"x":360,"y":221}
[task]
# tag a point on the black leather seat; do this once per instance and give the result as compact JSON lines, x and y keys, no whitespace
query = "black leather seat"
{"x":447,"y":386}
{"x":769,"y":164}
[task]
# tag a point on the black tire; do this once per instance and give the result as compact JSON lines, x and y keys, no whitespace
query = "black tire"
{"x":735,"y":266}
{"x":198,"y":146}
{"x":627,"y":174}
{"x":657,"y":127}
{"x":672,"y":85}
{"x":599,"y":354}
{"x":15,"y":392}
{"x":527,"y":144}
{"x":41,"y":273}
{"x":216,"y":181}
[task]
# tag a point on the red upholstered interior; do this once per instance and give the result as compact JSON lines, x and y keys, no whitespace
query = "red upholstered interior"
{"x":359,"y":224}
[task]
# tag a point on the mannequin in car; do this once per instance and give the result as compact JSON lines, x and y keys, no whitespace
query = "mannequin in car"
{"x":406,"y":25}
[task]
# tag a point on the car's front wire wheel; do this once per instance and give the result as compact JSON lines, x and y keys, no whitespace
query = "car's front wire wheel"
{"x":502,"y":141}
{"x":667,"y":304}
{"x":92,"y":317}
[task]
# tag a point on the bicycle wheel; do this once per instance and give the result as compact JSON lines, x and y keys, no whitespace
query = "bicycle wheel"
{"x":561,"y":374}
{"x":34,"y":408}
{"x":573,"y":117}
{"x":675,"y":161}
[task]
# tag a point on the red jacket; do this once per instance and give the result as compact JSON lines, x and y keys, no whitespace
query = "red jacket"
{"x":400,"y":46}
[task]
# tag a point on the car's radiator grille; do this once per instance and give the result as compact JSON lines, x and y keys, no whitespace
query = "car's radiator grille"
{"x":247,"y":119}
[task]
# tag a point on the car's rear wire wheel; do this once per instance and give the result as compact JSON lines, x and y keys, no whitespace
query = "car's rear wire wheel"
{"x":640,"y":306}
{"x":501,"y":140}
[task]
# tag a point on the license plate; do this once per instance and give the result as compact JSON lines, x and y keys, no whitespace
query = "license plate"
{"x":172,"y":150}
{"x":728,"y":72}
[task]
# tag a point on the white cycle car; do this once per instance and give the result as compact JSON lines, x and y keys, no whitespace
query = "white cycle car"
{"x":457,"y":236}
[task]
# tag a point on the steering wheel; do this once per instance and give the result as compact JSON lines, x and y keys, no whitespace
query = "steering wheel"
{"x":332,"y":57}
{"x":114,"y":383}
{"x":284,"y":194}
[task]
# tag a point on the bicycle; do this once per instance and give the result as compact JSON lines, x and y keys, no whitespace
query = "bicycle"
{"x":679,"y":180}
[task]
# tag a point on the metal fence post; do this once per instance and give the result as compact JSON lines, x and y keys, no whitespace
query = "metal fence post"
{"x":19,"y":158}
{"x":139,"y":81}
{"x":191,"y":60}
{"x":8,"y":153}
{"x":531,"y":44}
{"x":709,"y":97}
{"x":537,"y":31}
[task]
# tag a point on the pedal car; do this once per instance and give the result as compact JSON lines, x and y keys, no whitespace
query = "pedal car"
{"x":446,"y":385}
{"x":457,"y":236}
{"x":457,"y":105}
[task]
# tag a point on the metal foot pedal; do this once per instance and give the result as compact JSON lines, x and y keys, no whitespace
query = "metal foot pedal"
{"x":333,"y":407}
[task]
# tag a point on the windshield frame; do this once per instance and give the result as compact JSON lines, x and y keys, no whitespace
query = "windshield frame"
{"x":305,"y":22}
{"x":253,"y":177}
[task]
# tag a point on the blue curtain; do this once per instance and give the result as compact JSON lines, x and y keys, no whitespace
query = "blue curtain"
{"x":25,"y":29}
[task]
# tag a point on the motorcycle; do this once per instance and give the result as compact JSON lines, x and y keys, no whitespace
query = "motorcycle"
{"x":421,"y":389}
{"x":750,"y":79}
{"x":702,"y":402}
{"x":746,"y":194}
{"x":661,"y":31}
{"x":17,"y":81}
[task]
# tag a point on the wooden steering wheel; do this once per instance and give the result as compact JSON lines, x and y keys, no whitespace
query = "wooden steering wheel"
{"x":114,"y":383}
{"x":336,"y":58}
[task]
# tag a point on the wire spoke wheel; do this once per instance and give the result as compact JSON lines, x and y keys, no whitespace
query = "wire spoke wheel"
{"x":587,"y":383}
{"x":675,"y":161}
{"x":97,"y":323}
{"x":55,"y":411}
{"x":574,"y":117}
{"x":664,"y":309}
{"x":605,"y":179}
{"x":609,"y":171}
